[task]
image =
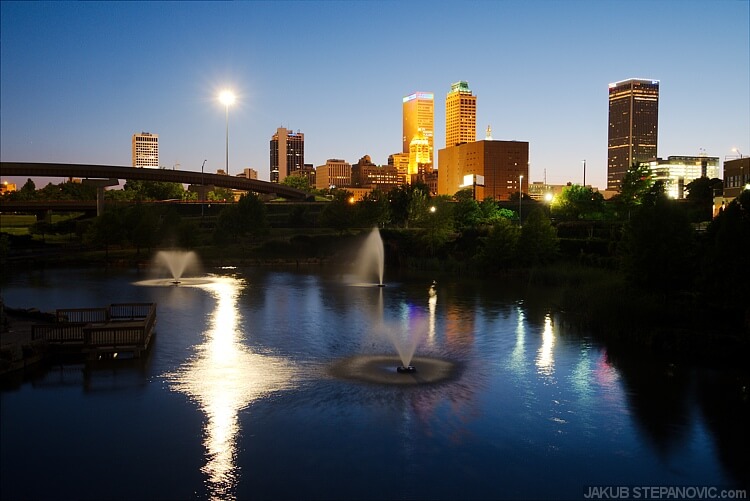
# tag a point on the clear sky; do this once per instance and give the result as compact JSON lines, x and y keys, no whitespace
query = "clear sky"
{"x":78,"y":79}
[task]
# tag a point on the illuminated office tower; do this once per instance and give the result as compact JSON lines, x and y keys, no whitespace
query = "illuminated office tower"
{"x":633,"y":126}
{"x":420,"y":158}
{"x":460,"y":115}
{"x":145,"y":149}
{"x":287,"y":153}
{"x":419,"y":115}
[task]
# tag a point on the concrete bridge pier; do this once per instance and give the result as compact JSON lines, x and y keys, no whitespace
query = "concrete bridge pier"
{"x":100,"y":185}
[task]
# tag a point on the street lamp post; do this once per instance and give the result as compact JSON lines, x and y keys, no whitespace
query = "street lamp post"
{"x":520,"y":197}
{"x":227,"y":97}
{"x":203,"y":188}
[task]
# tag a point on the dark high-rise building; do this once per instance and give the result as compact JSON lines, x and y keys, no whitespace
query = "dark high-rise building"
{"x":287,"y":154}
{"x":633,"y":126}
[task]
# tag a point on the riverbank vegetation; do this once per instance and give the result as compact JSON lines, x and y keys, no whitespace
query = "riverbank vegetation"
{"x":640,"y":265}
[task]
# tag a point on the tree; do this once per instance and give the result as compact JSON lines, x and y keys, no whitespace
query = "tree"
{"x":578,"y":202}
{"x":514,"y":197}
{"x":418,"y":207}
{"x":154,"y":190}
{"x":246,"y":217}
{"x":657,"y":245}
{"x":438,"y":224}
{"x":297,"y":182}
{"x":253,"y":215}
{"x":634,"y":185}
{"x":467,"y":212}
{"x":700,"y":193}
{"x":106,"y":230}
{"x":220,"y":195}
{"x":373,"y":210}
{"x":491,"y":212}
{"x":403,"y":208}
{"x":27,"y":191}
{"x":498,"y":251}
{"x":725,"y":273}
{"x":141,"y":227}
{"x":338,"y":213}
{"x":537,"y":243}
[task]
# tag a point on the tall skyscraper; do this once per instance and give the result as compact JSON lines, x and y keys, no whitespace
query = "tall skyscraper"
{"x":633,"y":126}
{"x":287,"y":153}
{"x":460,"y":115}
{"x":419,"y":114}
{"x":145,"y":150}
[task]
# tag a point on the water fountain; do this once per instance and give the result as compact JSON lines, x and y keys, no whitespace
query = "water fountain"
{"x":177,"y":262}
{"x":371,"y":258}
{"x":180,"y":266}
{"x":404,"y":334}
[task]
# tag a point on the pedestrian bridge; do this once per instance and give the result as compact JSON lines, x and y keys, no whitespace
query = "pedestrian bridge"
{"x":83,"y":171}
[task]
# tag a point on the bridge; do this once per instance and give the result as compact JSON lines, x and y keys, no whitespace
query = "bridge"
{"x":31,"y":169}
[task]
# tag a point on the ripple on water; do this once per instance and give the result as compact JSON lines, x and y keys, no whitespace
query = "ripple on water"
{"x":381,"y":369}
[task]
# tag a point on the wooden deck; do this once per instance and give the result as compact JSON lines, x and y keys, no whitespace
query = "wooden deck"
{"x":97,"y":332}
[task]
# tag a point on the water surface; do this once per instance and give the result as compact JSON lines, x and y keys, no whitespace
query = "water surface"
{"x":236,"y":398}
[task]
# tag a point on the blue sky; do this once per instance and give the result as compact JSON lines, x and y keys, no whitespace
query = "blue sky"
{"x":78,"y":79}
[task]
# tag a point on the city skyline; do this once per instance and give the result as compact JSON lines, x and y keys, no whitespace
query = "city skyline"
{"x":541,"y":71}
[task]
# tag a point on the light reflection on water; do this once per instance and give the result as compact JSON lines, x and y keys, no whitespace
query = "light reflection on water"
{"x":545,"y":361}
{"x":536,"y":412}
{"x":224,"y":377}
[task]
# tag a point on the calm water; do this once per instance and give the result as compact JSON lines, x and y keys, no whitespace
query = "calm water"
{"x":236,"y":399}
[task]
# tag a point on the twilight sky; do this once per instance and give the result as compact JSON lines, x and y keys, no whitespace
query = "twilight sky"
{"x":78,"y":79}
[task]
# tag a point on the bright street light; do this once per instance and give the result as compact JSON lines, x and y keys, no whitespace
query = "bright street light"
{"x":227,"y":98}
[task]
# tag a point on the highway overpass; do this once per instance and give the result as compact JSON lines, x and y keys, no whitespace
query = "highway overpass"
{"x":32,"y":169}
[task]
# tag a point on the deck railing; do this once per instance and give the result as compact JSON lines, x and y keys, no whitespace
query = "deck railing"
{"x":118,"y":325}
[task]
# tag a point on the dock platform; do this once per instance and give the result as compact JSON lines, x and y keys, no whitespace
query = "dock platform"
{"x":99,"y":332}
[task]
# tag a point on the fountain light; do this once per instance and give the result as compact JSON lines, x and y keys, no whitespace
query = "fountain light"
{"x":406,"y":369}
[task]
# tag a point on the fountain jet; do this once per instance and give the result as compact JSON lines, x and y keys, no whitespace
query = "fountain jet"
{"x":372,"y":257}
{"x":177,"y":262}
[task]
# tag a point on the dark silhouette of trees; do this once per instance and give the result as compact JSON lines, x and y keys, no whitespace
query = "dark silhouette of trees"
{"x":700,"y":193}
{"x":248,"y":217}
{"x":106,"y":230}
{"x":373,"y":210}
{"x":498,"y":249}
{"x":339,"y":213}
{"x":537,"y":243}
{"x":725,"y":270}
{"x":657,"y":246}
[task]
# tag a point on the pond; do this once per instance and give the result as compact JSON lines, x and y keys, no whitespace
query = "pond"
{"x":267,"y":384}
